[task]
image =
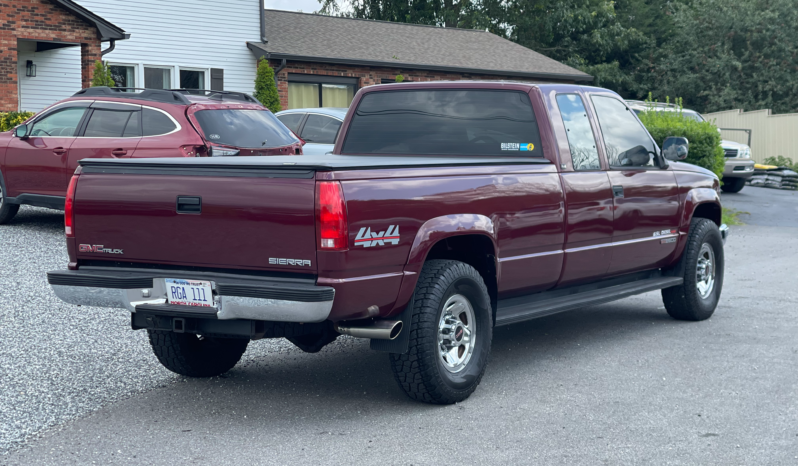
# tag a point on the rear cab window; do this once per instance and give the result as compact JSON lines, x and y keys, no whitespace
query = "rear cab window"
{"x":252,"y":129}
{"x":444,"y":122}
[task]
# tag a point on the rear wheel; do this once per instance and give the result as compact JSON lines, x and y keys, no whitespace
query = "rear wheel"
{"x":194,"y":355}
{"x":450,"y":335}
{"x":7,"y":211}
{"x":733,"y":185}
{"x":697,"y":297}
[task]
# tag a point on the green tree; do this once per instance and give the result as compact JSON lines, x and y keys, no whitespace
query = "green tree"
{"x":102,"y":75}
{"x":728,"y":54}
{"x":266,"y":88}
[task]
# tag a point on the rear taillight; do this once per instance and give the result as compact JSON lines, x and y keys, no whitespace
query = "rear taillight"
{"x":69,"y":205}
{"x":333,"y":226}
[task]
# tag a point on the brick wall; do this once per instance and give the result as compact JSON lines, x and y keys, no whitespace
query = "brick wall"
{"x":45,"y":21}
{"x":368,"y":76}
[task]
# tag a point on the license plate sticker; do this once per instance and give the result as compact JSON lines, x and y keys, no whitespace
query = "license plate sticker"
{"x":189,"y":292}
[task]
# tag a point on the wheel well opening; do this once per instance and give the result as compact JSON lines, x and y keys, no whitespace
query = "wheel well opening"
{"x":709,"y":211}
{"x":476,"y":251}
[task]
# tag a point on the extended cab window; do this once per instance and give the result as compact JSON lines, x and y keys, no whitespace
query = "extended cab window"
{"x":62,"y":123}
{"x":244,"y":128}
{"x":582,"y":142}
{"x":444,"y":122}
{"x":627,"y":142}
{"x":109,"y":123}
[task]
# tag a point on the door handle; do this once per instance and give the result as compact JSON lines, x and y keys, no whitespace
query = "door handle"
{"x":617,"y":191}
{"x":59,"y":151}
{"x":119,"y":152}
{"x":189,"y":205}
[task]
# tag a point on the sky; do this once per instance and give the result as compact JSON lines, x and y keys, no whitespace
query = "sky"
{"x":308,"y":6}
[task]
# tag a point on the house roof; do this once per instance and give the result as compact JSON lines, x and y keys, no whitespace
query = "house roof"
{"x":107,"y":30}
{"x":332,"y":39}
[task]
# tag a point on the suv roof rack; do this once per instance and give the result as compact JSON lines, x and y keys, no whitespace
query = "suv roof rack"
{"x":157,"y":95}
{"x":652,"y":104}
{"x":218,"y":95}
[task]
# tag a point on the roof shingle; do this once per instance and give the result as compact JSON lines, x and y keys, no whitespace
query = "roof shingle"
{"x":311,"y":37}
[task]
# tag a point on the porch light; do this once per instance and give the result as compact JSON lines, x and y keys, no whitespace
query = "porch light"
{"x":30,"y":69}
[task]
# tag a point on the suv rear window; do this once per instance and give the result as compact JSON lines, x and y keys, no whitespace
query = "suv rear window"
{"x":444,"y":122}
{"x":244,"y":128}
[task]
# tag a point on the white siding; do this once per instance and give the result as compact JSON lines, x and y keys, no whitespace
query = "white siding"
{"x":57,"y":75}
{"x":196,"y":34}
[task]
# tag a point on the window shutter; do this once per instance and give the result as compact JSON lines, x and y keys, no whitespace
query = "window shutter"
{"x":217,"y":79}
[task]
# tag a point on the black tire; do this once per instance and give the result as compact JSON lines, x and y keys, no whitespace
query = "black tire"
{"x":733,"y":185}
{"x":194,"y":356}
{"x":422,"y":372}
{"x":685,"y":302}
{"x":7,"y":211}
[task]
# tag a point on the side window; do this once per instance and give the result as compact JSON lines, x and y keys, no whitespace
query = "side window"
{"x":291,"y":120}
{"x":62,"y":123}
{"x":581,"y":140}
{"x":155,"y":123}
{"x":107,"y":123}
{"x":133,"y":128}
{"x":627,"y":142}
{"x":320,"y":129}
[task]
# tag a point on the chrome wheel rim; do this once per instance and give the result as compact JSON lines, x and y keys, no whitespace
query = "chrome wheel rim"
{"x":456,"y":333}
{"x":1,"y":197}
{"x":705,"y":271}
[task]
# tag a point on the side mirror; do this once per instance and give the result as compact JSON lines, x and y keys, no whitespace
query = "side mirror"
{"x":21,"y":131}
{"x":675,"y":148}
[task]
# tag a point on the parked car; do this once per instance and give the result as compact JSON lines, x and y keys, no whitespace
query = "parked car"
{"x":446,"y":209}
{"x":38,"y":158}
{"x":739,"y":165}
{"x":318,"y":127}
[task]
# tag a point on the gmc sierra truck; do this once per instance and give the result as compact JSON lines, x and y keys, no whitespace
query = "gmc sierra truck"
{"x":445,"y":209}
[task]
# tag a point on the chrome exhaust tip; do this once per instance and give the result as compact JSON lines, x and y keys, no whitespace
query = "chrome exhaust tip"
{"x":376,"y":330}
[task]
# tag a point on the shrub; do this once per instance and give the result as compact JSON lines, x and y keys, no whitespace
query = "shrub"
{"x":266,"y":88}
{"x":782,"y":161}
{"x":704,"y":138}
{"x":9,"y":120}
{"x":102,"y":75}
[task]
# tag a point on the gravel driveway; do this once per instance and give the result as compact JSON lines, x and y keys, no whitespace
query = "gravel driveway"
{"x":618,"y":384}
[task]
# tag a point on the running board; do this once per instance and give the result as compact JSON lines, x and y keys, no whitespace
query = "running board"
{"x":547,"y":303}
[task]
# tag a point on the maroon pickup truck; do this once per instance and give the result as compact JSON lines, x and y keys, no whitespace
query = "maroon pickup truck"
{"x":445,"y":209}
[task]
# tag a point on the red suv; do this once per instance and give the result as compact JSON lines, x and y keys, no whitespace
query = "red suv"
{"x":37,"y":158}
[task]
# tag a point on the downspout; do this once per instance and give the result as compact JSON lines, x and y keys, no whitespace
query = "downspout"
{"x":109,"y":49}
{"x":279,"y":68}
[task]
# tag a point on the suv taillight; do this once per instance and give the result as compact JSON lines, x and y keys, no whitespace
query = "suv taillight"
{"x":69,"y":204}
{"x":333,"y":225}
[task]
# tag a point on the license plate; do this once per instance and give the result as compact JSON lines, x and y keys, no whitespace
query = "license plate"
{"x":189,"y":292}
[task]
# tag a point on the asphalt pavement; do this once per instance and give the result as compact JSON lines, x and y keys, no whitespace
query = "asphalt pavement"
{"x":764,"y":206}
{"x":620,"y":383}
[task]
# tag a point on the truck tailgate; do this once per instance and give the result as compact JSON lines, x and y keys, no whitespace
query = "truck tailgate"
{"x":261,"y":220}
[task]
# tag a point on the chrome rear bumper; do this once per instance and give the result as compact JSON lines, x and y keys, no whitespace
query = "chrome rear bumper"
{"x":235,"y":297}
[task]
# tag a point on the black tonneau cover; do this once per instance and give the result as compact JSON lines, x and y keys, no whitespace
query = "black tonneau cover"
{"x":327,"y":162}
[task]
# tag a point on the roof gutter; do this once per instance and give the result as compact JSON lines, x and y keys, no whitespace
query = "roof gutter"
{"x":110,"y":48}
{"x":259,"y":52}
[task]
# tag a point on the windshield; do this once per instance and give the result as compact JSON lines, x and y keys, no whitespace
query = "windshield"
{"x":244,"y":128}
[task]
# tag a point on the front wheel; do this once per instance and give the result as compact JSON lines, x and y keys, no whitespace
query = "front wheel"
{"x":194,"y":355}
{"x":7,"y":211}
{"x":450,"y":334}
{"x":697,"y":297}
{"x":733,"y":185}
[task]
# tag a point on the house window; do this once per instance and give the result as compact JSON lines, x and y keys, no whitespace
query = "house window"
{"x":123,"y":75}
{"x":311,"y":91}
{"x":192,"y":79}
{"x":157,"y":78}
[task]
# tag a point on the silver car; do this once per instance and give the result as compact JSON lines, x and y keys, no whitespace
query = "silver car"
{"x":739,"y":166}
{"x":318,"y":127}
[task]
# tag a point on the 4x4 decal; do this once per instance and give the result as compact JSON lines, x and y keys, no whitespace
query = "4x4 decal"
{"x":367,"y":238}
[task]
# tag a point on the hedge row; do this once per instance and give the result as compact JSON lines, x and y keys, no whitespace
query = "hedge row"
{"x":9,"y":120}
